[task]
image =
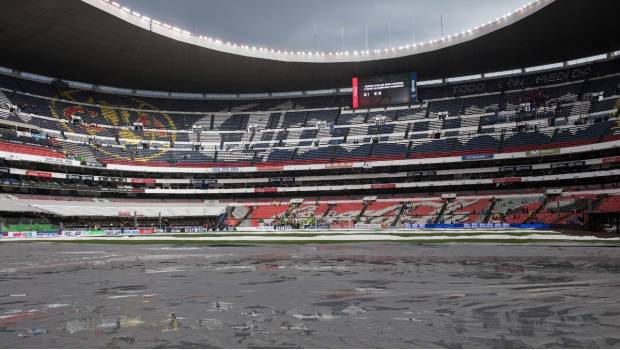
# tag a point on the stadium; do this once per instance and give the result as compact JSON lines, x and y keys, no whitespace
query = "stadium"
{"x":505,"y":132}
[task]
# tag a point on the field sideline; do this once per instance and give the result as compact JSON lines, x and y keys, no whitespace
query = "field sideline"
{"x":345,"y":236}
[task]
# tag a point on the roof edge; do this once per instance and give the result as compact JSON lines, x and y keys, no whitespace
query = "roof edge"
{"x":153,"y":25}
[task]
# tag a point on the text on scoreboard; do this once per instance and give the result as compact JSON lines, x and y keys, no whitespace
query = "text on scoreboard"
{"x":384,"y":90}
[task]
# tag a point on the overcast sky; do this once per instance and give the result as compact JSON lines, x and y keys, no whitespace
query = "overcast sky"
{"x":317,"y":24}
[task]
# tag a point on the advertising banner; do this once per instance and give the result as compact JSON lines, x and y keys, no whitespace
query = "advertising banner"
{"x":265,"y":189}
{"x":542,"y":152}
{"x":47,"y":234}
{"x":368,"y":226}
{"x":356,"y":98}
{"x":76,"y":233}
{"x":29,"y":234}
{"x":382,"y":186}
{"x":35,"y":173}
{"x":267,"y":167}
{"x":476,"y":156}
{"x":608,"y":160}
{"x":413,"y":88}
{"x":507,"y":180}
{"x":338,"y":165}
{"x":477,"y":226}
{"x":142,"y":181}
{"x":118,"y":232}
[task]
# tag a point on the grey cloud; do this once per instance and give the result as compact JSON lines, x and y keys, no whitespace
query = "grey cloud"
{"x":309,"y":25}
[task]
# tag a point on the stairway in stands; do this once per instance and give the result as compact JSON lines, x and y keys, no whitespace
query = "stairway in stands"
{"x":444,"y":207}
{"x":3,"y":101}
{"x":246,"y":216}
{"x":327,"y":210}
{"x":274,"y":120}
{"x":435,"y":125}
{"x":80,"y":150}
{"x":361,"y":213}
{"x":403,"y":207}
{"x":580,"y":107}
{"x":598,"y":201}
{"x":489,"y":213}
{"x":535,"y":212}
{"x":5,"y":115}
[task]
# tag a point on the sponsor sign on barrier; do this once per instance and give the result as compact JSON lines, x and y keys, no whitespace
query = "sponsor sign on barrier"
{"x":476,"y":156}
{"x":72,"y":233}
{"x":76,"y":233}
{"x":413,"y":226}
{"x":531,"y":226}
{"x":382,"y":186}
{"x":47,"y":234}
{"x":477,"y":226}
{"x":94,"y":232}
{"x":193,"y":229}
{"x":542,"y":152}
{"x":317,"y":227}
{"x":608,"y":160}
{"x":368,"y":226}
{"x":489,"y":225}
{"x":35,"y":173}
{"x":142,"y":181}
{"x":62,"y":161}
{"x":507,"y":180}
{"x":19,"y":234}
{"x":265,"y":189}
{"x":225,"y":170}
{"x":261,"y":167}
{"x":270,"y":228}
{"x":338,"y":165}
{"x":118,"y":232}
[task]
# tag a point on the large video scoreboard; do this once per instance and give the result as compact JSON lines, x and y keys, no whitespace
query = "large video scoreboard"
{"x":385,"y":90}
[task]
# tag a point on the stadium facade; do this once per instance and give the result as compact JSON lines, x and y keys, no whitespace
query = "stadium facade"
{"x":242,"y":138}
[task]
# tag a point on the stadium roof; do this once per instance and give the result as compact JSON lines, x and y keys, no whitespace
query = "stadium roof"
{"x":77,"y":41}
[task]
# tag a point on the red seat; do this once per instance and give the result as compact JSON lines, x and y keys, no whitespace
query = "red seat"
{"x":28,"y":149}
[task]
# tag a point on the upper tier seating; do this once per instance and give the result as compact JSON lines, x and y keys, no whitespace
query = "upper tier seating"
{"x":260,"y":132}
